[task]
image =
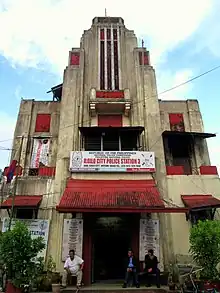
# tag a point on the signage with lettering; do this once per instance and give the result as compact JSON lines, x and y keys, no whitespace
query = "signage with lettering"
{"x":72,"y":237}
{"x":38,"y":228}
{"x":109,"y":161}
{"x":149,"y":237}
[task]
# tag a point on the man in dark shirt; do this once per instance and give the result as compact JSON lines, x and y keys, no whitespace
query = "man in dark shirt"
{"x":131,"y":269}
{"x":151,"y":263}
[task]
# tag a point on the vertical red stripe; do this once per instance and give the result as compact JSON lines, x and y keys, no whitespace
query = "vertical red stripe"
{"x":109,"y":65}
{"x":102,"y":34}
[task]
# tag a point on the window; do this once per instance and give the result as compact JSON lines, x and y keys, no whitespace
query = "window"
{"x":112,"y":141}
{"x":201,"y":215}
{"x":26,"y":213}
{"x":179,"y":152}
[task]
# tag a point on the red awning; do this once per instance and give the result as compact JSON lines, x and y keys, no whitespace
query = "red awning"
{"x":112,"y":196}
{"x":31,"y":201}
{"x":197,"y":201}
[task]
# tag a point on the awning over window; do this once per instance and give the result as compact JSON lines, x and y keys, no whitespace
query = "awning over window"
{"x":198,"y":202}
{"x":185,"y":133}
{"x":22,"y":201}
{"x":99,"y":130}
{"x":112,"y":196}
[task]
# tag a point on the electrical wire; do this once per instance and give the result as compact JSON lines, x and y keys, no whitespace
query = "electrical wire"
{"x":135,"y":103}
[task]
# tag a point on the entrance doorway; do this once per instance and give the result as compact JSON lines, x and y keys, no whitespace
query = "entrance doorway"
{"x":112,"y":237}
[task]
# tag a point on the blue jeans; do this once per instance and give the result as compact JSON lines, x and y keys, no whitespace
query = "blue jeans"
{"x":132,"y":273}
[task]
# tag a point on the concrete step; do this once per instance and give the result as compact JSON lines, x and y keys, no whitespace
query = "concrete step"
{"x":116,"y":289}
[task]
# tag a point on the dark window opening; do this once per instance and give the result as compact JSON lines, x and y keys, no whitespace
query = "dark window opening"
{"x":102,"y":65}
{"x":129,"y":142}
{"x":116,"y":77}
{"x":108,"y":34}
{"x":115,"y":35}
{"x":180,"y":152}
{"x":33,"y":172}
{"x":201,"y":215}
{"x":92,"y":143}
{"x":26,"y":213}
{"x":112,"y":141}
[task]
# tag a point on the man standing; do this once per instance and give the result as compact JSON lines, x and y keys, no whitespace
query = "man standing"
{"x":131,"y":269}
{"x":73,"y":267}
{"x":151,"y":263}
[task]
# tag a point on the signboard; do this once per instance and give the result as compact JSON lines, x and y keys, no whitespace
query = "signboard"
{"x":38,"y":228}
{"x":116,"y":161}
{"x":149,"y":237}
{"x":40,"y":153}
{"x":72,"y":237}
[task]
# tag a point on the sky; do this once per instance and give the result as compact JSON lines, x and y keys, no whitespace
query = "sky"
{"x":36,"y":35}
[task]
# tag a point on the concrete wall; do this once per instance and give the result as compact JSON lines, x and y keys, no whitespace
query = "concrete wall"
{"x":187,"y":185}
{"x":25,"y":127}
{"x":190,"y":110}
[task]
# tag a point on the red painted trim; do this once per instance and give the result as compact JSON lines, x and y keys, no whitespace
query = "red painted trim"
{"x":75,"y":58}
{"x":208,"y":170}
{"x":175,"y":170}
{"x":47,"y":171}
{"x":23,"y":201}
{"x":110,"y":94}
{"x":120,"y":210}
{"x":43,"y":123}
{"x":102,"y":34}
{"x":176,"y":118}
{"x":176,"y":122}
{"x":110,"y":120}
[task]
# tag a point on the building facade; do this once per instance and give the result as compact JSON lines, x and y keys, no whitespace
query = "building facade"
{"x":108,"y":164}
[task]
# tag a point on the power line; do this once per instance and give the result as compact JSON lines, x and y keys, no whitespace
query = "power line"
{"x":161,"y":93}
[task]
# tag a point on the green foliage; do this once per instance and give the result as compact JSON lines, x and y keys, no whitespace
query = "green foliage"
{"x":51,"y":265}
{"x":18,"y":252}
{"x":205,"y":247}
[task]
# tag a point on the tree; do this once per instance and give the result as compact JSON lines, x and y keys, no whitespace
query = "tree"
{"x":18,"y":253}
{"x":205,"y":247}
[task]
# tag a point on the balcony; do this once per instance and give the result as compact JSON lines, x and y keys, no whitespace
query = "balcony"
{"x":202,"y":170}
{"x":117,"y":102}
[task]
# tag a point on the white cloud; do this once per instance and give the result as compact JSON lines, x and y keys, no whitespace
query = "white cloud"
{"x":40,"y":32}
{"x":7,"y":127}
{"x":214,"y":152}
{"x":168,"y":80}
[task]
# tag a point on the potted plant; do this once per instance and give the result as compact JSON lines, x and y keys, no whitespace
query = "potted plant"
{"x":18,"y":253}
{"x":50,"y":280}
{"x":205,"y":250}
{"x":173,"y":277}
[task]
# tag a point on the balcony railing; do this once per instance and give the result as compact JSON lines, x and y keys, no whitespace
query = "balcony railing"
{"x":202,"y":170}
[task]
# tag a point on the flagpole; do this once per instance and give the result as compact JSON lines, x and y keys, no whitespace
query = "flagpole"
{"x":15,"y":185}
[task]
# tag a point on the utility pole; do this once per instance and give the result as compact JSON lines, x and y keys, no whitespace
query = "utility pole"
{"x":15,"y":184}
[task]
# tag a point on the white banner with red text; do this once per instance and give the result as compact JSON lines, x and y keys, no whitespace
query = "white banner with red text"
{"x":112,"y":161}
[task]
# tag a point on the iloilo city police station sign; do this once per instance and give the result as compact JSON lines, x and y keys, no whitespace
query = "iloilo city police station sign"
{"x":109,"y":161}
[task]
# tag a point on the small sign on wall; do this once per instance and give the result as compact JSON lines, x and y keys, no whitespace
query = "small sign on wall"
{"x":72,"y":237}
{"x":149,"y":238}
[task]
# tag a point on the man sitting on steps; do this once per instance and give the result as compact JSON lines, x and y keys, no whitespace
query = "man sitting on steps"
{"x":151,"y":263}
{"x":73,"y":267}
{"x":131,"y":269}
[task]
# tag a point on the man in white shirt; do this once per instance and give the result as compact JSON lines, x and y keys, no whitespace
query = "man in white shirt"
{"x":73,"y":266}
